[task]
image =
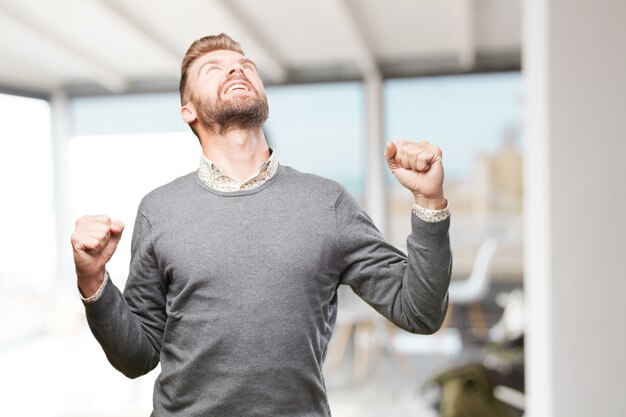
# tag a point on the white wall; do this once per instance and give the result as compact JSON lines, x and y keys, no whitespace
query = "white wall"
{"x":575,"y":69}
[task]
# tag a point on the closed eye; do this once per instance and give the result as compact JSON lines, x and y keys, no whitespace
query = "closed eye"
{"x":211,"y":67}
{"x":248,"y":65}
{"x":208,"y":67}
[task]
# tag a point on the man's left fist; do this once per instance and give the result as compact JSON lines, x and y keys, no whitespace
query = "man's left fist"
{"x":418,"y":167}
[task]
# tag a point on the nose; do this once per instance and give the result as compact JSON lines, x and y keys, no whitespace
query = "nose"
{"x":236,"y":67}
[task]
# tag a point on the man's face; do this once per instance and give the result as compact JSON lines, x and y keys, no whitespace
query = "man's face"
{"x":227,"y":92}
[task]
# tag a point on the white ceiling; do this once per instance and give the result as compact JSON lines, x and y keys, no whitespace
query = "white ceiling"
{"x":112,"y":46}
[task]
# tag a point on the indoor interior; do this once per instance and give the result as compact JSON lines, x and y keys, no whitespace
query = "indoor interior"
{"x":526,"y":98}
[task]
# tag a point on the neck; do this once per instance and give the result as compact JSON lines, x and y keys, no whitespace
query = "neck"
{"x":238,"y":153}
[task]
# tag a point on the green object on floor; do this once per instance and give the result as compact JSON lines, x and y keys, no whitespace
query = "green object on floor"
{"x":467,"y":391}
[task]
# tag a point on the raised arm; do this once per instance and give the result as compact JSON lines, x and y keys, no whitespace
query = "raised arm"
{"x":410,"y":290}
{"x":129,"y":328}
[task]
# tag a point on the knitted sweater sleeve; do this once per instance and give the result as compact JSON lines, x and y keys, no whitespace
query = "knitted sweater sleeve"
{"x":409,"y":290}
{"x":129,"y":327}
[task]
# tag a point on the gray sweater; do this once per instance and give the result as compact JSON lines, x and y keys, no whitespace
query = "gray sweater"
{"x":235,"y":293}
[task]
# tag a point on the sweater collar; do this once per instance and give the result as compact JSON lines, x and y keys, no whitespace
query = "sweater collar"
{"x":211,"y":175}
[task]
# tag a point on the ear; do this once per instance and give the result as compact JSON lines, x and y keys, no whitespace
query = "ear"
{"x":188,"y":113}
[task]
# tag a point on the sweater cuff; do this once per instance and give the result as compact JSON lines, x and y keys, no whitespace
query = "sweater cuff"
{"x":432,"y":216}
{"x":108,"y":301}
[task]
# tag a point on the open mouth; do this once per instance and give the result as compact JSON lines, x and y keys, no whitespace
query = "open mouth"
{"x":235,"y":87}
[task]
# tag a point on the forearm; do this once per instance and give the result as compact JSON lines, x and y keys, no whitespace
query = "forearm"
{"x":423,"y":298}
{"x":128,"y":347}
{"x":408,"y":291}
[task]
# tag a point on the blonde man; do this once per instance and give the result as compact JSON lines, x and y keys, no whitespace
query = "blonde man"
{"x":235,"y":267}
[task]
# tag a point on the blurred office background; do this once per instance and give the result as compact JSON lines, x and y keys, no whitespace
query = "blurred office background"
{"x":525,"y":97}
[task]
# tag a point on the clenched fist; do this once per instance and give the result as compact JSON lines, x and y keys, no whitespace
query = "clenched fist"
{"x":93,"y":242}
{"x":418,"y":167}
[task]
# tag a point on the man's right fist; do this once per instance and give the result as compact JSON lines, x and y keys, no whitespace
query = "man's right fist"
{"x":94,"y":241}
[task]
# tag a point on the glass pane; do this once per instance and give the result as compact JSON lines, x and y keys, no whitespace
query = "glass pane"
{"x":26,"y":189}
{"x":476,"y":120}
{"x":319,"y":128}
{"x":27,"y":246}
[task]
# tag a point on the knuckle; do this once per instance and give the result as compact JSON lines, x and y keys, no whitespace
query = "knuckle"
{"x":101,"y":236}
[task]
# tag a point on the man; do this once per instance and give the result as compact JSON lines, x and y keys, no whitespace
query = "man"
{"x":235,"y":267}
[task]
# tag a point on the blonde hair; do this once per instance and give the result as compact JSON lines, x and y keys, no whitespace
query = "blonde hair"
{"x":198,"y":48}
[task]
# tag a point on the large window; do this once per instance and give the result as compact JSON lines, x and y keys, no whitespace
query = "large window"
{"x":121,"y":147}
{"x":476,"y":120}
{"x":27,"y":244}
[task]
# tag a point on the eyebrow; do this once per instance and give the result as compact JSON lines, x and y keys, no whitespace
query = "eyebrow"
{"x":213,"y":61}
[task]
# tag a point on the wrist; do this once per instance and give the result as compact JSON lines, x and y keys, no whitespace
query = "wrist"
{"x":431,"y":203}
{"x":88,"y":286}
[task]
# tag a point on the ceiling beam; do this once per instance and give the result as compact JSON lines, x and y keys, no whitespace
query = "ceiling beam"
{"x":467,"y":34}
{"x":170,"y":54}
{"x":375,"y":184}
{"x":366,"y":61}
{"x":21,"y":92}
{"x":94,"y":69}
{"x":273,"y":66}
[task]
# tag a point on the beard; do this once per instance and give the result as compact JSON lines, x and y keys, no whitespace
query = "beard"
{"x":243,"y":113}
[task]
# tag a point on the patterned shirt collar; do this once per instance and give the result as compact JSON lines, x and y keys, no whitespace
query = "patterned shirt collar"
{"x":213,"y":177}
